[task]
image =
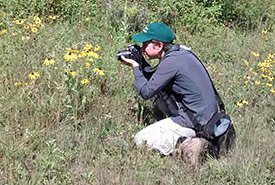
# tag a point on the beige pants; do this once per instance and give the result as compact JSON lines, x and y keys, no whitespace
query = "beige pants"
{"x":163,"y":135}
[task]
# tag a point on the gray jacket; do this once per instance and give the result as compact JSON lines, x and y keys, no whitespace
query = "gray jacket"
{"x":181,"y":71}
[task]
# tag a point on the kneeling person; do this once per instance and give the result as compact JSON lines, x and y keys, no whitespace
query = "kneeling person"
{"x":179,"y":73}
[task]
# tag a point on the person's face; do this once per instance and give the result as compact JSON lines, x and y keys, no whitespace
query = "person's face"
{"x":151,"y":50}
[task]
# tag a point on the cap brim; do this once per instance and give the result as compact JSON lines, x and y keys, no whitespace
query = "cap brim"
{"x":141,"y":38}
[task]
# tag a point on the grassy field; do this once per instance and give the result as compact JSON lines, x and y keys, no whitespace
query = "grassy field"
{"x":69,"y":109}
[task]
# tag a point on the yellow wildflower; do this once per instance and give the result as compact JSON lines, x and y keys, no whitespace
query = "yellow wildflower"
{"x":245,"y":102}
{"x":88,"y":19}
{"x":48,"y":61}
{"x":19,"y":22}
{"x":34,"y":30}
{"x":272,"y":90}
{"x":25,"y":38}
{"x":70,"y":56}
{"x":90,"y":59}
{"x":26,"y":27}
{"x":37,"y":20}
{"x":245,"y":62}
{"x":73,"y":73}
{"x":255,"y":73}
{"x":82,"y":54}
{"x":264,"y":76}
{"x":18,"y":83}
{"x":268,"y":84}
{"x":3,"y":31}
{"x":240,"y":104}
{"x":245,"y":83}
{"x":53,"y":17}
{"x":255,"y":54}
{"x":270,"y":78}
{"x":264,"y":64}
{"x":247,"y":77}
{"x":84,"y":81}
{"x":93,"y":54}
{"x":14,"y":34}
{"x":32,"y":25}
{"x":33,"y":75}
{"x":270,"y":57}
{"x":264,"y":31}
{"x":87,"y":65}
{"x":97,"y":48}
{"x":21,"y":83}
{"x":41,"y":25}
{"x":257,"y":82}
{"x":87,"y":47}
{"x":99,"y":71}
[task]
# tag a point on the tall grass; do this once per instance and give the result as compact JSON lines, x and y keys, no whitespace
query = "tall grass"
{"x":58,"y":129}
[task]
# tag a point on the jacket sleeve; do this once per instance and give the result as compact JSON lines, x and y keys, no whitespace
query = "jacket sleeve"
{"x":159,"y":80}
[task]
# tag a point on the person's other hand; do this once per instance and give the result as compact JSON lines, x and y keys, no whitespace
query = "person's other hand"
{"x":129,"y":62}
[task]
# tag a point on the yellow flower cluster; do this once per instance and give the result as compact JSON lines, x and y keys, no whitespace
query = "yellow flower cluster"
{"x":25,"y":29}
{"x":32,"y":23}
{"x":87,"y":54}
{"x":211,"y":67}
{"x":19,"y":21}
{"x":267,"y":67}
{"x":261,"y":73}
{"x":27,"y":26}
{"x":242,"y":103}
{"x":72,"y":55}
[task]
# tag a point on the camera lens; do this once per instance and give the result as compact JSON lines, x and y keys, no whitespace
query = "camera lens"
{"x":125,"y":53}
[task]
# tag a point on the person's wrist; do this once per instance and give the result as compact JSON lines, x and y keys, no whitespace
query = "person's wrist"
{"x":135,"y":65}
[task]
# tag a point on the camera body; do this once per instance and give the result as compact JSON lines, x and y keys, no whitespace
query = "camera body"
{"x":132,"y":52}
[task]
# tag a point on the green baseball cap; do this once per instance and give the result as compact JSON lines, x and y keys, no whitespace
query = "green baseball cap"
{"x":155,"y":31}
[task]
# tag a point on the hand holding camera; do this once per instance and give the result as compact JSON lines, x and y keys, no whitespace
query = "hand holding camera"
{"x":128,"y":61}
{"x":131,"y":56}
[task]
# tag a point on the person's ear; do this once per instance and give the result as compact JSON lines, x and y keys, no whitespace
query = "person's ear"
{"x":160,"y":46}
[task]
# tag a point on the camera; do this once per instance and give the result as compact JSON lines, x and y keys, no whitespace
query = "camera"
{"x":132,"y":52}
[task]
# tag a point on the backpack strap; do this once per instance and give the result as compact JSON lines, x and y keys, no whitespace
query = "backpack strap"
{"x":190,"y":114}
{"x":218,"y":98}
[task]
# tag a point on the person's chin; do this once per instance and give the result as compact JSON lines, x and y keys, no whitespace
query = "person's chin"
{"x":148,"y":58}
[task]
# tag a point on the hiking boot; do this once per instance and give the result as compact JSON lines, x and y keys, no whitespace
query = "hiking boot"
{"x":193,"y":150}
